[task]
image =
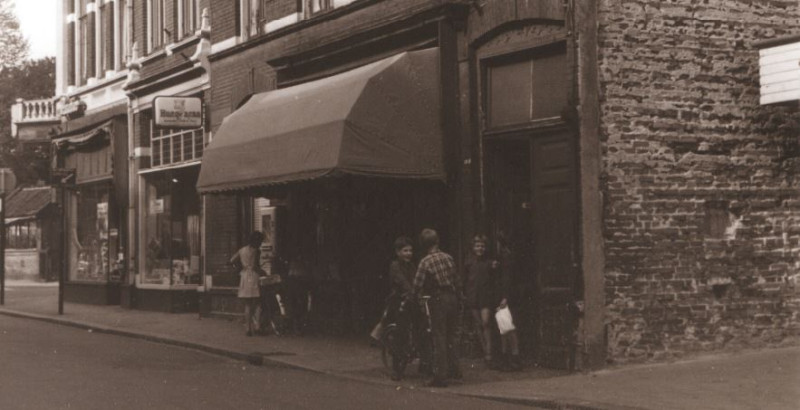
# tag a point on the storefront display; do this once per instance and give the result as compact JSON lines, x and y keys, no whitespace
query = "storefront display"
{"x":89,"y":246}
{"x":172,"y":228}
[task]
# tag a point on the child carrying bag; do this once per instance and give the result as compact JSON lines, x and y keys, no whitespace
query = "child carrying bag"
{"x":504,"y":321}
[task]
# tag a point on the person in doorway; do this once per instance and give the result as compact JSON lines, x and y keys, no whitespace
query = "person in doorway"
{"x":480,"y":294}
{"x":249,"y":292}
{"x":509,"y":347}
{"x":437,"y":274}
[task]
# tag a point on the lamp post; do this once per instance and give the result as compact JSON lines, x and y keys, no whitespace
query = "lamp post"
{"x":63,"y":177}
{"x":7,"y":182}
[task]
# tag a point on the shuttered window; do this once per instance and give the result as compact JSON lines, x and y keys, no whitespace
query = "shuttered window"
{"x":524,"y":89}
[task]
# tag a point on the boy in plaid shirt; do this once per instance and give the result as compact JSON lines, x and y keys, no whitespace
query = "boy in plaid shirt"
{"x":437,"y":275}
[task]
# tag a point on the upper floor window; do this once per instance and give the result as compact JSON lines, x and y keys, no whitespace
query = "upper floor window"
{"x":315,"y":6}
{"x":86,"y":59}
{"x":252,"y":17}
{"x":157,"y":34}
{"x":188,"y":17}
{"x":107,"y":42}
{"x":174,"y":146}
{"x":122,"y":37}
{"x":526,"y":88}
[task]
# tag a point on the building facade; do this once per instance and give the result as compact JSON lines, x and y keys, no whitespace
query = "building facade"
{"x":615,"y":151}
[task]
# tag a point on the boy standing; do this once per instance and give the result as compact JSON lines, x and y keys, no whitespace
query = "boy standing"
{"x":437,"y":273}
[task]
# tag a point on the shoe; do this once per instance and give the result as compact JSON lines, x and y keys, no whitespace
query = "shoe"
{"x":435,"y":383}
{"x":249,"y":333}
{"x":456,"y":375}
{"x":396,"y":377}
{"x":514,"y":365}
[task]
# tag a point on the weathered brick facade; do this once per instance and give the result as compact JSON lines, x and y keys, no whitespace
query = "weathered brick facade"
{"x":701,"y":184}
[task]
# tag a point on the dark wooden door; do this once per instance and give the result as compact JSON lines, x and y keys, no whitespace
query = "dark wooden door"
{"x":554,"y":229}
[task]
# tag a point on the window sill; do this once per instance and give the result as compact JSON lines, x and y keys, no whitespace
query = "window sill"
{"x":184,"y":43}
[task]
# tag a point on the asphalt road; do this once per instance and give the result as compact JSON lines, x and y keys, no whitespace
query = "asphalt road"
{"x":48,"y":366}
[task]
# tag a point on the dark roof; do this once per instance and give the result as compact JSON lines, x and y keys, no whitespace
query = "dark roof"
{"x":28,"y":202}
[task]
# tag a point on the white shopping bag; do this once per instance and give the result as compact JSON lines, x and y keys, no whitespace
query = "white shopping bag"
{"x":504,"y":321}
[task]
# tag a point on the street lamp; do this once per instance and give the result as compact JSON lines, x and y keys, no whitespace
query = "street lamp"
{"x":7,"y":182}
{"x":63,"y":179}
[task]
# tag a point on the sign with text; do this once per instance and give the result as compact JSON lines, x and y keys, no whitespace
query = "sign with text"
{"x":178,"y":112}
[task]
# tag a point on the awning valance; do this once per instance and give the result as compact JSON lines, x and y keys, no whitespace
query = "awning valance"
{"x":87,"y":139}
{"x":379,"y":120}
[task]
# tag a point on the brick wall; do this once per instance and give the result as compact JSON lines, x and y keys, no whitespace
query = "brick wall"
{"x":223,"y":20}
{"x":701,"y":199}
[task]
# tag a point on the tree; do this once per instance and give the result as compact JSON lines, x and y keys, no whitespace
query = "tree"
{"x":32,"y":79}
{"x":13,"y":46}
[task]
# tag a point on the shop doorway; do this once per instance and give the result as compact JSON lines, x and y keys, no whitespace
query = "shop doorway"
{"x":532,"y":207}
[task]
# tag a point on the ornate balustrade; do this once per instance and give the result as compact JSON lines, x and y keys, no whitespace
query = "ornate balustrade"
{"x":41,"y":110}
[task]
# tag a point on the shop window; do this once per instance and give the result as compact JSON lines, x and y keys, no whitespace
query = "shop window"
{"x":524,"y":89}
{"x":89,"y":254}
{"x":174,"y":146}
{"x":172,"y":228}
{"x":22,"y":235}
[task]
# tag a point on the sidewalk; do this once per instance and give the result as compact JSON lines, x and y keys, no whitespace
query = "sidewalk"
{"x":765,"y":379}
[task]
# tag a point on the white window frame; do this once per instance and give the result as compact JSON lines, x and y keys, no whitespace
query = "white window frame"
{"x":154,"y":6}
{"x":188,"y":29}
{"x":251,"y":26}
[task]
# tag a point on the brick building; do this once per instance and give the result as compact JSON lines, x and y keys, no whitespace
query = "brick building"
{"x":649,"y":202}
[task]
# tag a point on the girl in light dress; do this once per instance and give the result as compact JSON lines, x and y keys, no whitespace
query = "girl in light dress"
{"x":249,"y":291}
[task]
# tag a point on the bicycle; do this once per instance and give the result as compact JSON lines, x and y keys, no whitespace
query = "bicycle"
{"x":399,"y":339}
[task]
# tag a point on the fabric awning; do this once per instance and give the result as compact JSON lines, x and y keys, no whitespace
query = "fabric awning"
{"x":379,"y":120}
{"x":87,"y":139}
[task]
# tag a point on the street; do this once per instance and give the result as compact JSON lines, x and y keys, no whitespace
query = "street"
{"x":47,"y":366}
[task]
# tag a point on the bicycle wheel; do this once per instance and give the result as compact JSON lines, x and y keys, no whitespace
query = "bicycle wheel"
{"x":388,"y":345}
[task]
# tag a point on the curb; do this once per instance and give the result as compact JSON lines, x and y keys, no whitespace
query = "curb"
{"x":550,"y":403}
{"x":256,"y":359}
{"x":264,"y":359}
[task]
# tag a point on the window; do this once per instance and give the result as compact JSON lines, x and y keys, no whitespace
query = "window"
{"x":315,"y":6}
{"x":189,"y":17}
{"x":86,"y":39}
{"x":252,"y":18}
{"x":175,"y":146}
{"x":172,"y":228}
{"x":107,"y":38}
{"x":527,"y":88}
{"x":156,"y":24}
{"x":88,"y":235}
{"x":122,"y":37}
{"x":22,"y":235}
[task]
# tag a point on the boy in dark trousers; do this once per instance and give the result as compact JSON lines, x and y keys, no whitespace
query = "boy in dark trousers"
{"x":437,"y":273}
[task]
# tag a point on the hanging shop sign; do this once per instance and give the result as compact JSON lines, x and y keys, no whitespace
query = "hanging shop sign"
{"x":178,"y":112}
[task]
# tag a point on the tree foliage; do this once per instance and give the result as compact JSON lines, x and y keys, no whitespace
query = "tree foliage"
{"x":32,"y":79}
{"x":13,"y":45}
